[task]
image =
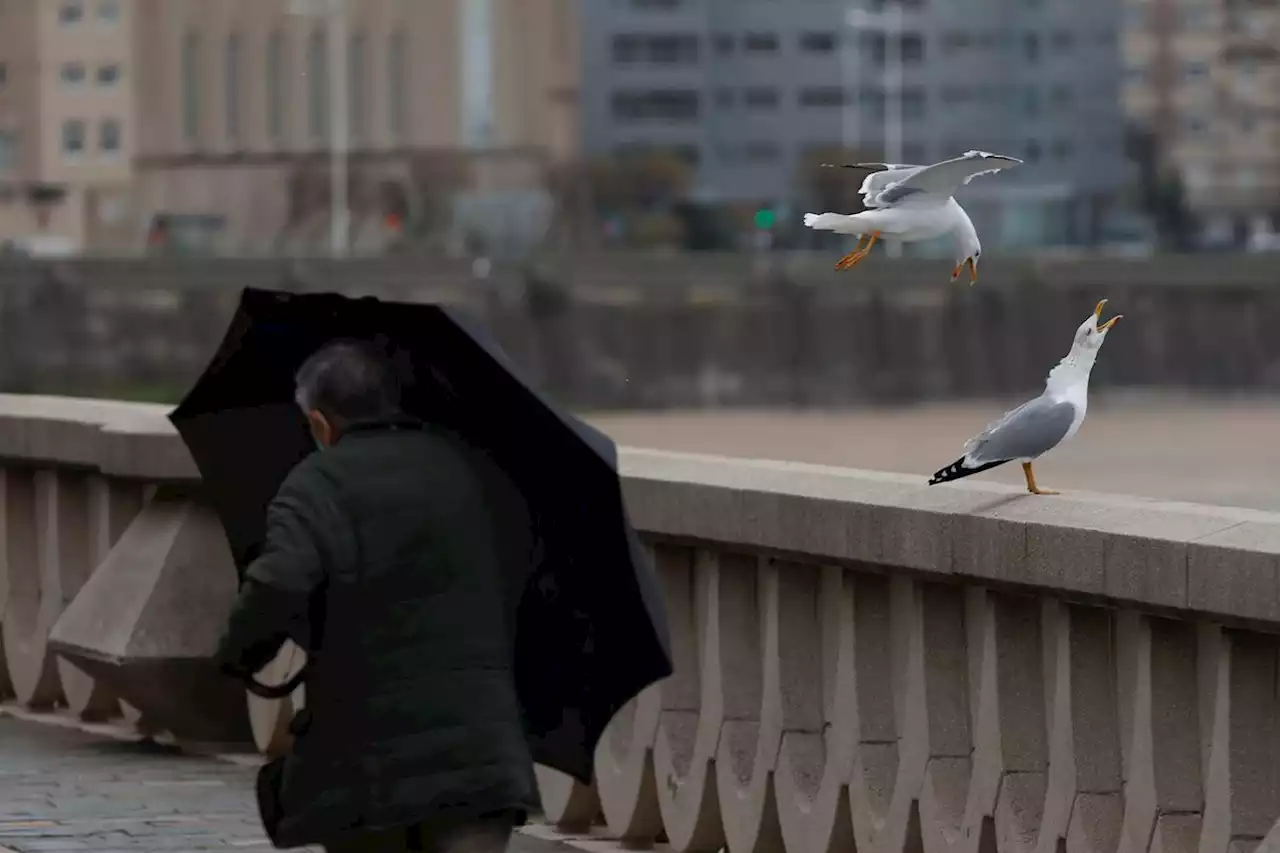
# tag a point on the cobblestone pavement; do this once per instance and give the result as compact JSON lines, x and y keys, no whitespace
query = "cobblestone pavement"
{"x":64,"y":790}
{"x":1200,"y":449}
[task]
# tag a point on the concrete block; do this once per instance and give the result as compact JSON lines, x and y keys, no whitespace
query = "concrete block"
{"x":147,"y":622}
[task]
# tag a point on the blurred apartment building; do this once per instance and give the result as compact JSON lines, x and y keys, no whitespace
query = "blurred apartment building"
{"x":744,"y":88}
{"x":1203,"y":78}
{"x":124,"y":122}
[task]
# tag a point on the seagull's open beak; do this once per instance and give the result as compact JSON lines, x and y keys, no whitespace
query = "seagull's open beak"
{"x":1097,"y":313}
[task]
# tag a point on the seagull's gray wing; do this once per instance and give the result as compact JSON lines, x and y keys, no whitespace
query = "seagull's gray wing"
{"x":882,"y":174}
{"x":1024,"y":433}
{"x":944,"y":178}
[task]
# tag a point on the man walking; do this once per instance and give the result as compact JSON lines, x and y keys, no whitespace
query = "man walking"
{"x":382,"y":560}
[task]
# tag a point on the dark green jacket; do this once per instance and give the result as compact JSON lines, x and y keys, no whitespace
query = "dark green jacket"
{"x":382,"y":559}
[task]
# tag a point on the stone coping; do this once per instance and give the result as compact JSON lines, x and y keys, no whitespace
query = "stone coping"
{"x":1130,"y":551}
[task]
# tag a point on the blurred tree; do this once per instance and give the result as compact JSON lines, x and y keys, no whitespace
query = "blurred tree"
{"x":832,"y":189}
{"x":1161,"y":194}
{"x":639,"y":182}
{"x":641,"y":187}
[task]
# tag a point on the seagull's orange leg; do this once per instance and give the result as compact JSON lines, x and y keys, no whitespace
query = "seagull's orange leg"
{"x":1031,"y":481}
{"x":854,"y":258}
{"x":848,"y":259}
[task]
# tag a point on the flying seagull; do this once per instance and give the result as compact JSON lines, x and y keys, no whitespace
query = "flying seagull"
{"x":1039,"y":425}
{"x":911,"y":203}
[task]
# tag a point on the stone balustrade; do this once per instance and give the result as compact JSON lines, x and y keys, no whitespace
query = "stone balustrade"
{"x":862,"y":662}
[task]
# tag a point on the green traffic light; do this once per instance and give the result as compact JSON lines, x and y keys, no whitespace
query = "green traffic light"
{"x":765,"y":218}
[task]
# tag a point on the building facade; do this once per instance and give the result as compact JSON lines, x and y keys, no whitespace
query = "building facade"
{"x":66,"y":118}
{"x":218,"y":114}
{"x":1203,"y":78}
{"x":746,"y":88}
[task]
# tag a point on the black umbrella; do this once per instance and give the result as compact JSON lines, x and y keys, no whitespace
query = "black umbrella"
{"x":591,"y":630}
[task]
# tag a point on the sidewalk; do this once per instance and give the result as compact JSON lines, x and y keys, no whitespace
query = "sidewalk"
{"x":63,"y":789}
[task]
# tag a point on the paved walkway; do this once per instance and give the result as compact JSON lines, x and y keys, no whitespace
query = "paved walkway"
{"x":64,"y":790}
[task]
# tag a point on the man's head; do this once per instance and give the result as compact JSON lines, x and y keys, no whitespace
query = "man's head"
{"x":344,"y":382}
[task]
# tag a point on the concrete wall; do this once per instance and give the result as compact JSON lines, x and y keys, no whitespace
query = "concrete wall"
{"x":643,"y":332}
{"x":862,"y":662}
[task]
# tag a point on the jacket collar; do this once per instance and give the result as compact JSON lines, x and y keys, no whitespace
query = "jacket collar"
{"x":392,"y":424}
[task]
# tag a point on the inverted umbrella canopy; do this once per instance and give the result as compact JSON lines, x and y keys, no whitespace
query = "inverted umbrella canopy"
{"x":591,"y":630}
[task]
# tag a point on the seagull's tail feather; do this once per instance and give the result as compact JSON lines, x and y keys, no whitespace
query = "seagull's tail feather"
{"x":824,"y":221}
{"x":959,"y":469}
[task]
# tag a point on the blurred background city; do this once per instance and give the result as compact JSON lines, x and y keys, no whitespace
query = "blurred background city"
{"x":617,"y":187}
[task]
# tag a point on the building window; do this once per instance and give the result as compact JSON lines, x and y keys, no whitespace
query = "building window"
{"x":760,"y":43}
{"x":1062,"y":149}
{"x":723,"y":43}
{"x":671,"y":105}
{"x":761,"y":152}
{"x":109,"y":11}
{"x":396,"y":76}
{"x":818,"y":42}
{"x":4,"y":74}
{"x":1195,"y":126}
{"x":913,"y":103}
{"x":760,"y":98}
{"x":672,"y":49}
{"x":318,"y":85}
{"x":724,"y":98}
{"x":1060,"y":97}
{"x":657,"y":49}
{"x":108,"y":75}
{"x":109,"y":135}
{"x":1063,"y":40}
{"x":822,"y":96}
{"x":912,"y":47}
{"x":275,"y":86}
{"x":1195,"y":71}
{"x":231,"y":87}
{"x":626,"y":48}
{"x":1031,"y":47}
{"x":71,"y":12}
{"x":73,"y":134}
{"x":191,"y":87}
{"x":357,"y":85}
{"x":73,"y":73}
{"x":1033,"y":151}
{"x":8,"y":150}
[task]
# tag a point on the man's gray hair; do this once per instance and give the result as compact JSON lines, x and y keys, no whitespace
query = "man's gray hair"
{"x":348,"y":381}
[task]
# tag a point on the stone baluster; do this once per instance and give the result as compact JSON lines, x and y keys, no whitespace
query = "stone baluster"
{"x":32,"y":506}
{"x":147,"y":622}
{"x":112,"y":505}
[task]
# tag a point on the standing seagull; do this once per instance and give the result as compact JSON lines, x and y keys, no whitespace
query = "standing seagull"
{"x":912,"y":203}
{"x":1038,"y":426}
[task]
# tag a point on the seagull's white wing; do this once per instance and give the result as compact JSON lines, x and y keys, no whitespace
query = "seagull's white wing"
{"x":943,"y":179}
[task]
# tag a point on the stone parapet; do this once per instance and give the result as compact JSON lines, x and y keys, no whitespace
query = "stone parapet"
{"x":862,"y":662}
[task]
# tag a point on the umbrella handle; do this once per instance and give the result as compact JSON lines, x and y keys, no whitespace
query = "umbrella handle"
{"x":278,"y":691}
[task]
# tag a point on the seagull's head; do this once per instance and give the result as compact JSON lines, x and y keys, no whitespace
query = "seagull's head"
{"x":1093,"y":332}
{"x":968,"y":251}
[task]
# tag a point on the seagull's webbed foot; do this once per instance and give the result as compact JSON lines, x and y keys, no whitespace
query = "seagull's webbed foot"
{"x":855,"y":257}
{"x":1031,"y":481}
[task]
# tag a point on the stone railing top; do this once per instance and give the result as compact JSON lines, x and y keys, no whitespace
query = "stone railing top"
{"x":1221,"y":561}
